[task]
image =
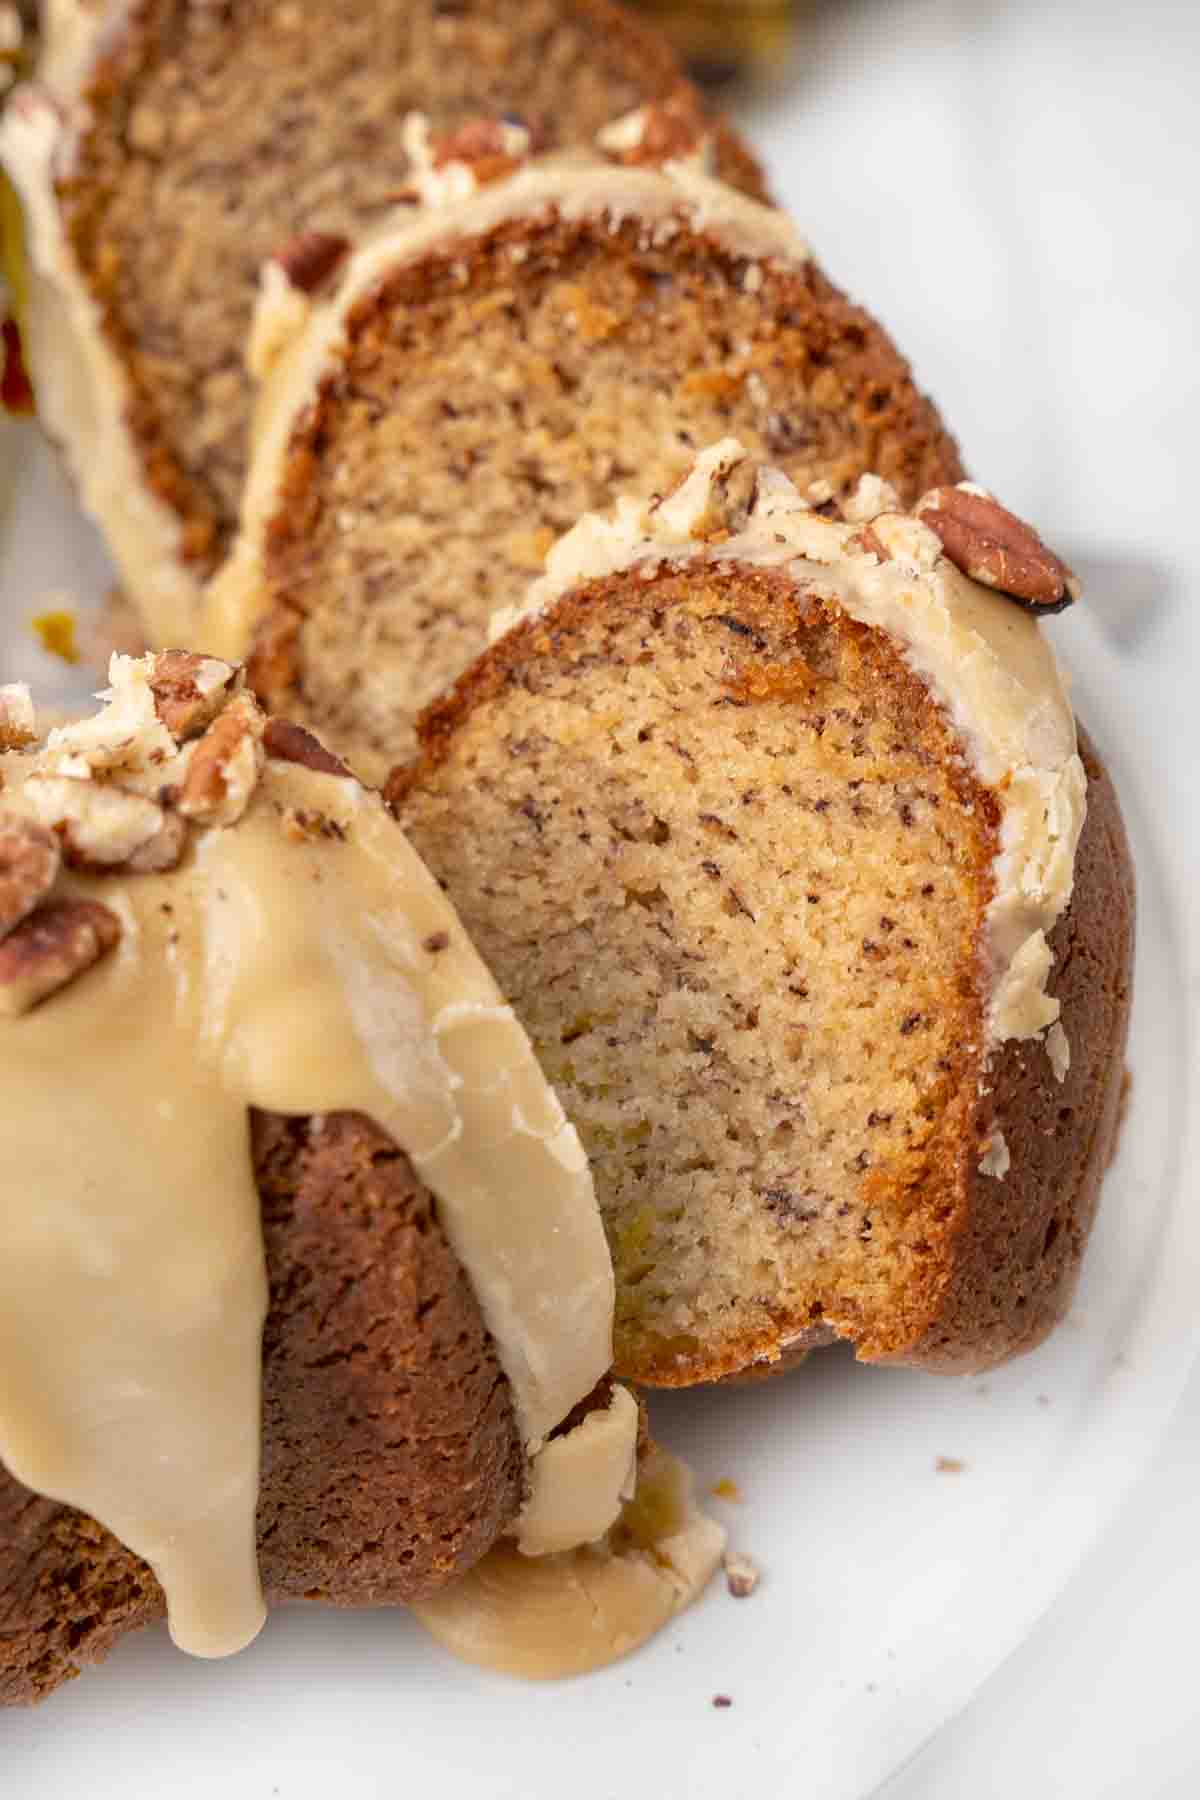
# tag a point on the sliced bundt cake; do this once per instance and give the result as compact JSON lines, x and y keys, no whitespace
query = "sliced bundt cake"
{"x":279,"y":1164}
{"x":176,"y":145}
{"x":772,"y":826}
{"x":483,"y":373}
{"x":390,"y":1456}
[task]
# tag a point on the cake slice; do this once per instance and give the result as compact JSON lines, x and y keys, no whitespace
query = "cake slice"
{"x":484,"y":371}
{"x":773,"y":827}
{"x":173,"y":146}
{"x":303,"y":1290}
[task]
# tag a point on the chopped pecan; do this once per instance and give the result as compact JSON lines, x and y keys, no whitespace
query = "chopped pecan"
{"x":866,"y":540}
{"x":995,"y":548}
{"x":871,"y":497}
{"x":29,"y":864}
{"x":50,"y":948}
{"x":731,"y":500}
{"x":491,"y":148}
{"x":189,"y":691}
{"x":225,"y":765}
{"x":18,"y":722}
{"x":899,"y":537}
{"x":100,"y":825}
{"x":310,"y":258}
{"x":162,"y":852}
{"x":741,"y":1574}
{"x":662,"y":131}
{"x":286,"y":741}
{"x":714,"y":499}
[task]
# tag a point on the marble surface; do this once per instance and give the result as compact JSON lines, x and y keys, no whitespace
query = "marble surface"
{"x":1013,"y":187}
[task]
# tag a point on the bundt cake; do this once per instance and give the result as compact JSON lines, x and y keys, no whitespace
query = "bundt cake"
{"x":482,"y":373}
{"x":171,"y":146}
{"x":231,"y":993}
{"x":772,"y":827}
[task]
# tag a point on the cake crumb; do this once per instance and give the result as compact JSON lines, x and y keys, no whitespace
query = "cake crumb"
{"x":742,"y":1574}
{"x":725,"y":1489}
{"x":55,"y":631}
{"x":949,"y":1465}
{"x":721,"y":1701}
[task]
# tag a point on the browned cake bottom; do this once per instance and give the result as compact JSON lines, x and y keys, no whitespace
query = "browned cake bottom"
{"x":219,"y":132}
{"x":390,"y":1455}
{"x":730,"y":867}
{"x":494,"y":392}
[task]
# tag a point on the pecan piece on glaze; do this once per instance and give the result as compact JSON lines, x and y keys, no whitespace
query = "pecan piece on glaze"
{"x":491,"y":148}
{"x":731,"y":500}
{"x":310,"y":258}
{"x":871,"y":496}
{"x":717,"y":511}
{"x":18,"y":722}
{"x":225,"y":766}
{"x":29,"y":865}
{"x":285,"y":741}
{"x":661,"y":131}
{"x":50,"y":949}
{"x":99,"y":825}
{"x":164,"y":851}
{"x":189,"y":691}
{"x":995,"y":548}
{"x":865,"y":540}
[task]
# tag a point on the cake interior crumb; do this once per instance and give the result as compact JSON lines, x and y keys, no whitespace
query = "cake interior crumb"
{"x":730,"y":871}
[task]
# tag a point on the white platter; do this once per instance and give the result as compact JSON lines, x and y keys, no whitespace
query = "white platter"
{"x":944,"y":181}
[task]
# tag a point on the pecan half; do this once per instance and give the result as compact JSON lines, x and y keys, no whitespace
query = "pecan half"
{"x":285,"y":741}
{"x":29,"y":865}
{"x":51,"y":948}
{"x":225,"y":765}
{"x":189,"y":691}
{"x":995,"y":548}
{"x":310,"y":258}
{"x":100,"y":825}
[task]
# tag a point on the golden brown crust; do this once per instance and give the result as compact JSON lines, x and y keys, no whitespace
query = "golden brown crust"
{"x":1017,"y":1253}
{"x":391,"y":1459}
